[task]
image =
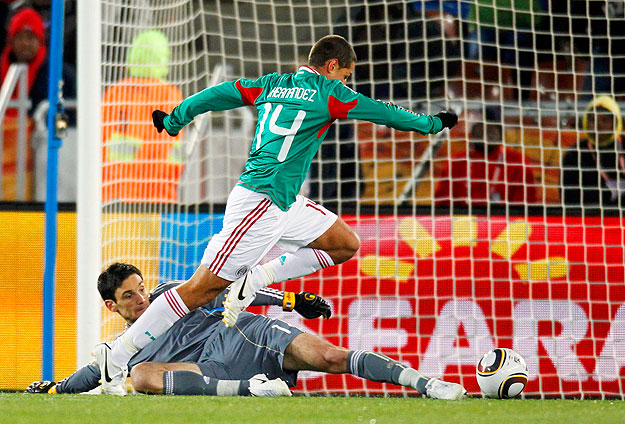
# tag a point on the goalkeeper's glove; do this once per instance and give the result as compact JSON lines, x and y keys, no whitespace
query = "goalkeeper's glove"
{"x":449,"y":119}
{"x":157,"y":118}
{"x":41,"y":387}
{"x":308,"y":305}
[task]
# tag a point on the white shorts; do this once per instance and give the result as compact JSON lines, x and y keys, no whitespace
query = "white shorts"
{"x":253,"y":224}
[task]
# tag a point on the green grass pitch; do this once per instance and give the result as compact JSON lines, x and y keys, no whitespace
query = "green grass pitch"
{"x":87,"y":409}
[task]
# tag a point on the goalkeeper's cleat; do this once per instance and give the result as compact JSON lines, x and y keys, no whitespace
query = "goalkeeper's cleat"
{"x":439,"y":389}
{"x":261,"y":386}
{"x":113,"y":376}
{"x":241,"y":296}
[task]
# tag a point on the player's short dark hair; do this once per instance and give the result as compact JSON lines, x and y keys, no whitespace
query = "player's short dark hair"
{"x":332,"y":47}
{"x":113,"y":277}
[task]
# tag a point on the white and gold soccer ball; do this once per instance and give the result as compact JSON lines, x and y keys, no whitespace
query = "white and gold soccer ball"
{"x":502,"y":373}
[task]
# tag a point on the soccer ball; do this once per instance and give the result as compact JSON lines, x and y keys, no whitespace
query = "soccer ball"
{"x":501,"y":373}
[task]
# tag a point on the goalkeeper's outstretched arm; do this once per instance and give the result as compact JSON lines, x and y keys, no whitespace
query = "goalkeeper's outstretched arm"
{"x":85,"y":379}
{"x":308,"y":305}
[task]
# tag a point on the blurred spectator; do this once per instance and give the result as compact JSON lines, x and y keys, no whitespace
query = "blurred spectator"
{"x":598,"y":28}
{"x":492,"y":173}
{"x":44,"y":8}
{"x":27,"y":44}
{"x":141,"y":165}
{"x":400,"y":54}
{"x":502,"y":31}
{"x":594,"y":171}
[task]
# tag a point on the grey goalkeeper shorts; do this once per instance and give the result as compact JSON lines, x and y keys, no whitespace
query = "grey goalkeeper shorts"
{"x":255,"y":345}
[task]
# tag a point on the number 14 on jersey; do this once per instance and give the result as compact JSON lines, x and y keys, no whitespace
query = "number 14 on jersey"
{"x":288,"y":133}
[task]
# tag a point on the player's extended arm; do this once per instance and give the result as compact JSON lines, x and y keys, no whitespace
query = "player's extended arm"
{"x":346,"y":103}
{"x":83,"y":380}
{"x":225,"y":96}
{"x":41,"y":387}
{"x":308,"y":305}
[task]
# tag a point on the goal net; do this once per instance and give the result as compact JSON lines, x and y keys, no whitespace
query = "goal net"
{"x":506,"y":231}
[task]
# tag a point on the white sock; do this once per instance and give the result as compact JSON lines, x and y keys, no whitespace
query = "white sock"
{"x":158,"y":318}
{"x":410,"y":377}
{"x":303,"y":262}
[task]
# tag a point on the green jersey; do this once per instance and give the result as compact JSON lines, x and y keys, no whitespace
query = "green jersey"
{"x":295,"y":111}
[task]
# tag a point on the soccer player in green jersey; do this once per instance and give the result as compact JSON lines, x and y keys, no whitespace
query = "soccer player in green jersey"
{"x":264,"y":209}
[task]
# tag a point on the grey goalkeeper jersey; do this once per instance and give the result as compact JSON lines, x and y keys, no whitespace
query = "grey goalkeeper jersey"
{"x":183,"y":342}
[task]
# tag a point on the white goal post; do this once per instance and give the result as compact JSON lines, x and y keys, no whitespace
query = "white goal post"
{"x":89,"y":205}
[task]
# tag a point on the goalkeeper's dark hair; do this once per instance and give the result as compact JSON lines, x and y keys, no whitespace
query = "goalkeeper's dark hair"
{"x":113,"y":277}
{"x":332,"y":47}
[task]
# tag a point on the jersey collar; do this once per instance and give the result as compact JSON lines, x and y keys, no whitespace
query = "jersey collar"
{"x":306,"y":68}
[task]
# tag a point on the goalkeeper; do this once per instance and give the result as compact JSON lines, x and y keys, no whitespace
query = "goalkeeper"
{"x":295,"y":111}
{"x":199,"y":356}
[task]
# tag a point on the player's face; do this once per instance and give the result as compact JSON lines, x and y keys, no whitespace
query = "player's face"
{"x":601,"y":127}
{"x":132,"y":299}
{"x":25,"y":46}
{"x":333,"y":71}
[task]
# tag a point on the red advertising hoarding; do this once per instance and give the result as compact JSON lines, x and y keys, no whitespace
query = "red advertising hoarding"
{"x":438,"y":292}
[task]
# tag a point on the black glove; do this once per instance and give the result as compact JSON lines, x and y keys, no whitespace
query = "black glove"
{"x":157,"y":118}
{"x":41,"y":387}
{"x":449,"y":119}
{"x":310,"y":306}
